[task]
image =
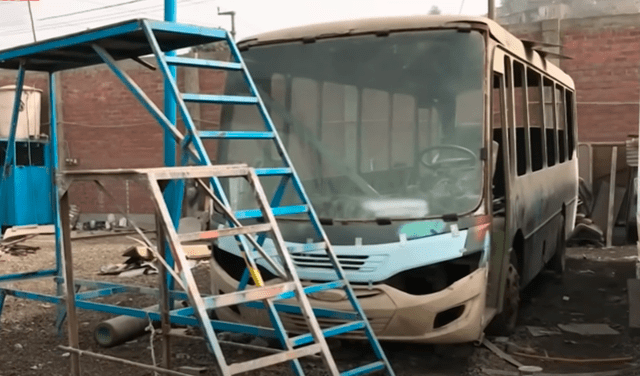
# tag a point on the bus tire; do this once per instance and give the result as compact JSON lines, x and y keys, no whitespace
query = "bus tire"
{"x":557,"y":263}
{"x":504,"y":323}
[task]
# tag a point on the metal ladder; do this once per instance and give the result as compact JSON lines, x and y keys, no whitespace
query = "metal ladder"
{"x":193,"y":150}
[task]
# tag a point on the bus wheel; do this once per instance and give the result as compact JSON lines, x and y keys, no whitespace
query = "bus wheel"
{"x":505,"y":322}
{"x":557,"y":263}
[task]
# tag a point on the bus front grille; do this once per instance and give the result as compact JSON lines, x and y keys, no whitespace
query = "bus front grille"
{"x":321,"y":261}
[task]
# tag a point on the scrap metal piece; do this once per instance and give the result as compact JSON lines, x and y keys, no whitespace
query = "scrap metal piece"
{"x":588,"y":329}
{"x":501,"y":353}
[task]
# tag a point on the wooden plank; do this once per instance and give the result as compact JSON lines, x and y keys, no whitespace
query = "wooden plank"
{"x":612,"y":195}
{"x":162,"y":173}
{"x":270,"y":360}
{"x":165,"y":301}
{"x":214,"y":234}
{"x":633,"y":289}
{"x":195,"y":299}
{"x":70,"y":296}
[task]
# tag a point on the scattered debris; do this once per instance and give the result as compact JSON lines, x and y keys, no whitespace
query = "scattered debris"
{"x":16,"y":232}
{"x":14,"y":248}
{"x":620,"y":372}
{"x":501,"y":353}
{"x":625,"y":359}
{"x":585,"y":234}
{"x":74,"y":215}
{"x":588,"y":329}
{"x":538,"y":331}
{"x":138,"y":263}
{"x":192,"y":370}
{"x":529,"y":370}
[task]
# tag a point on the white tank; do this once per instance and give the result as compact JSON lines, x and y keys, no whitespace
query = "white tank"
{"x":29,"y":115}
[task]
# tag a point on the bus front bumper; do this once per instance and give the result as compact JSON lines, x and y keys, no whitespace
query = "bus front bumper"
{"x":452,"y":315}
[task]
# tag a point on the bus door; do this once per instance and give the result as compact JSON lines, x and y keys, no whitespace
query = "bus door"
{"x":500,"y":167}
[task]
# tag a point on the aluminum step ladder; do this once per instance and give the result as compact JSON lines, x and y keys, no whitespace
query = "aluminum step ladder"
{"x":193,"y":151}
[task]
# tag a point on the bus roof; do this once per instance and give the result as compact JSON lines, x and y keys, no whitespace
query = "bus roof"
{"x":385,"y":25}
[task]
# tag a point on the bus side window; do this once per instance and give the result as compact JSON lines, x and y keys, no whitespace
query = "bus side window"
{"x":536,"y":138}
{"x":520,"y":107}
{"x":549,"y":121}
{"x":571,"y":126}
{"x":562,"y":134}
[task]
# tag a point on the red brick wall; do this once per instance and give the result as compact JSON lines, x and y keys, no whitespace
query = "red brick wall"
{"x":606,"y":58}
{"x":105,"y":127}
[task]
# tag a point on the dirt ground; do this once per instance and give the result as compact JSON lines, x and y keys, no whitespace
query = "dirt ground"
{"x":592,"y":290}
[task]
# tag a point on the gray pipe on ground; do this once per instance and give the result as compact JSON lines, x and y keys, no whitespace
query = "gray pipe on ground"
{"x":121,"y":329}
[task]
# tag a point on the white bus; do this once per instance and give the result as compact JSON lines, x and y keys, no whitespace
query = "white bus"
{"x":439,"y":153}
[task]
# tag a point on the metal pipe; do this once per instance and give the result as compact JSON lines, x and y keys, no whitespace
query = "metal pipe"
{"x":123,"y":361}
{"x":233,"y":21}
{"x":120,"y":329}
{"x":10,"y":156}
{"x":637,"y":185}
{"x":492,"y":10}
{"x":170,"y":111}
{"x":169,"y":101}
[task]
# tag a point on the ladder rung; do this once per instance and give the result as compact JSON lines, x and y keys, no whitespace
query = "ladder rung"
{"x":278,"y":210}
{"x":214,"y":234}
{"x":236,"y":135}
{"x":367,"y":368}
{"x":315,"y":288}
{"x":248,"y":295}
{"x":202,"y":63}
{"x":328,"y":332}
{"x":273,"y":171}
{"x":270,"y":360}
{"x":324,"y":286}
{"x":219,"y":99}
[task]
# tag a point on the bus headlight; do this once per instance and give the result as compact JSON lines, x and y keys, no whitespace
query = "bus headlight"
{"x":436,"y":277}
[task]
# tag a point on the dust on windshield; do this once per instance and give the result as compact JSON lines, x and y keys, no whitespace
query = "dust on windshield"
{"x":377,"y":127}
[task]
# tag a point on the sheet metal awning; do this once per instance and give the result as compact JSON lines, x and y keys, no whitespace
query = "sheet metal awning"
{"x":123,"y":40}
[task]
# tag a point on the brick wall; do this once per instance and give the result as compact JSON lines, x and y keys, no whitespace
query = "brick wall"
{"x":104,"y":127}
{"x":606,"y":58}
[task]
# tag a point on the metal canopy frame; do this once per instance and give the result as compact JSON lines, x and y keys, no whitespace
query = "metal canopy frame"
{"x":123,"y":40}
{"x":109,"y":44}
{"x":131,"y":40}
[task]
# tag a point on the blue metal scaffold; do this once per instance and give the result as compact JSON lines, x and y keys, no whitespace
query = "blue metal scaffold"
{"x":250,"y":227}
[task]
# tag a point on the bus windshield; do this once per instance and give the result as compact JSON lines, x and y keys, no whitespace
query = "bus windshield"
{"x":377,"y":126}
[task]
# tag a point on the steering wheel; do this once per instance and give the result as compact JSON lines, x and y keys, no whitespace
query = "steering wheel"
{"x":431,"y":157}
